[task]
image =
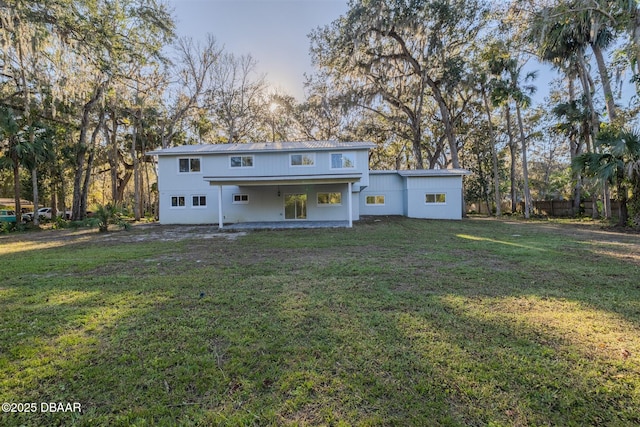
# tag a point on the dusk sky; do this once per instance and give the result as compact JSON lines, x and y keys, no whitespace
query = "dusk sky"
{"x":274,"y":32}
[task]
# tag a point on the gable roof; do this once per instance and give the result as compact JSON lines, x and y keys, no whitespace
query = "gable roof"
{"x":253,"y":147}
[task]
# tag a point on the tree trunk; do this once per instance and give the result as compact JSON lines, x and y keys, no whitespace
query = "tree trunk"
{"x":447,"y":122}
{"x":92,"y":154}
{"x":635,"y":36}
{"x":77,"y":213}
{"x":494,"y":156}
{"x":54,"y":199}
{"x":16,"y":183}
{"x":587,"y":89}
{"x":525,"y":167}
{"x":481,"y":177}
{"x":416,"y":143}
{"x":623,"y":198}
{"x":62,"y":195}
{"x":513,"y":150}
{"x":575,"y":148}
{"x":606,"y":82}
{"x":34,"y":183}
{"x":606,"y":196}
{"x":136,"y":171}
{"x":112,"y":140}
{"x":86,"y":182}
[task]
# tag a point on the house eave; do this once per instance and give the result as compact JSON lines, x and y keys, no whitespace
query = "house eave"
{"x":432,"y":172}
{"x":262,"y":147}
{"x":284,"y":179}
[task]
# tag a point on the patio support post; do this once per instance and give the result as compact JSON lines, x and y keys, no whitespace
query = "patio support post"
{"x":350,"y":204}
{"x":220,"y":222}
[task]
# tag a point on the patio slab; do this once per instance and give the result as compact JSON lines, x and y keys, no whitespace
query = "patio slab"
{"x":283,"y":225}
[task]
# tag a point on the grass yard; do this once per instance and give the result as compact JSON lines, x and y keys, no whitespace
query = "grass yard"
{"x":395,"y":322}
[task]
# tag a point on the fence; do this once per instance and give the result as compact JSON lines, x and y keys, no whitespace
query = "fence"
{"x":557,"y":208}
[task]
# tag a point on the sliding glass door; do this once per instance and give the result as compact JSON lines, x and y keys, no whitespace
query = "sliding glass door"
{"x":295,"y":206}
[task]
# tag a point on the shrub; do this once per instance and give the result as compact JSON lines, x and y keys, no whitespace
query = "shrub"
{"x":108,"y":214}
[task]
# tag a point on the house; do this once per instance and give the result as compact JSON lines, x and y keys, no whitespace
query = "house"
{"x":295,"y":181}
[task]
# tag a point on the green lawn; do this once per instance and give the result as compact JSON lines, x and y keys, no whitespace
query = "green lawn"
{"x":394,"y":322}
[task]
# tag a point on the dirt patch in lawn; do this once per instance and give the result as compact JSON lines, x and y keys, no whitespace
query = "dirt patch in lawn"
{"x":137,"y":233}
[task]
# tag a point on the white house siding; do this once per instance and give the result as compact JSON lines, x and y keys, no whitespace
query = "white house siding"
{"x":388,"y":184}
{"x":264,"y":203}
{"x":174,"y":184}
{"x":417,"y":187}
{"x":264,"y":200}
{"x":278,"y":164}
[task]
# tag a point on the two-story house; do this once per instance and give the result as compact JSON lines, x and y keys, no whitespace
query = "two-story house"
{"x":295,"y":181}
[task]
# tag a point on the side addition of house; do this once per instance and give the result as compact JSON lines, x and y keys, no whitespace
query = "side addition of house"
{"x":295,"y":181}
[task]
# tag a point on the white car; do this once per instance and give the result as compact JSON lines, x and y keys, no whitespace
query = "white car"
{"x":45,"y":213}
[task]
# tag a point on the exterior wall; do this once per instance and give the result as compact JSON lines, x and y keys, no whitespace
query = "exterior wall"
{"x":388,"y":184}
{"x":171,"y":183}
{"x":265,"y":204}
{"x":417,"y":187}
{"x":278,"y":164}
{"x":404,"y":192}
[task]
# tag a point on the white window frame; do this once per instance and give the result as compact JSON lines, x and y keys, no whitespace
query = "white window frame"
{"x":435,"y":199}
{"x":352,"y":155}
{"x":241,"y":196}
{"x":178,"y":206}
{"x":199,"y":196}
{"x":199,"y":159}
{"x":329,"y":193}
{"x":310,"y":156}
{"x":375,"y":198}
{"x":242,"y":160}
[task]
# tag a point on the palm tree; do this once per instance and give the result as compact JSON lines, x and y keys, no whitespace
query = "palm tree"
{"x":509,"y":85}
{"x":617,"y":164}
{"x":563,"y":33}
{"x":14,"y":149}
{"x":37,"y":151}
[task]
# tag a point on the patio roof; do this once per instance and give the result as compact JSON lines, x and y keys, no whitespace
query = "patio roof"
{"x":284,"y":179}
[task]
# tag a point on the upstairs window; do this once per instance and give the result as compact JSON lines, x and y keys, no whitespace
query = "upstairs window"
{"x":241,"y":161}
{"x":430,"y":198}
{"x":302,"y":159}
{"x":187,"y":165}
{"x":343,"y":160}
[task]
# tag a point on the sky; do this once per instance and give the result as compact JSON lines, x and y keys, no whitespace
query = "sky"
{"x":274,"y":32}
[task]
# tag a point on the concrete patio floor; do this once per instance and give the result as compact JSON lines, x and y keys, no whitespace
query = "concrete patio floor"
{"x":283,"y":225}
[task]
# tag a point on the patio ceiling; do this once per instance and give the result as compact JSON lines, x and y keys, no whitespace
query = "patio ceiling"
{"x":284,"y":179}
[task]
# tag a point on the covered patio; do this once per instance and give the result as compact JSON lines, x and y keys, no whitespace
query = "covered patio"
{"x":286,"y":181}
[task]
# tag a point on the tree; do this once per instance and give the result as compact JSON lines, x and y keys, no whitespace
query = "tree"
{"x":193,"y":72}
{"x":618,"y":164}
{"x":13,"y":149}
{"x":402,"y":55}
{"x":510,"y":87}
{"x":236,"y":97}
